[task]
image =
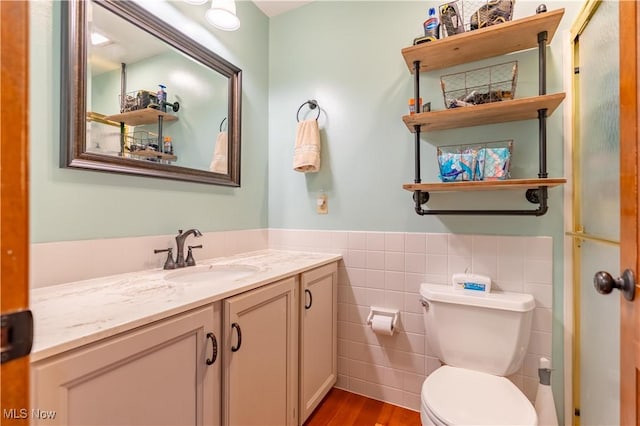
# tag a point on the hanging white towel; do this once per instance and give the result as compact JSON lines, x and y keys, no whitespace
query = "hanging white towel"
{"x":306,"y":156}
{"x":220,"y":160}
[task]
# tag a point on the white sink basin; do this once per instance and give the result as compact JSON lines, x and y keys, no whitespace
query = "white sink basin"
{"x":210,"y":273}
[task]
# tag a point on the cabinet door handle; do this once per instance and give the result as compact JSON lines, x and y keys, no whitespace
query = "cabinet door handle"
{"x":214,"y":348}
{"x":237,"y":347}
{"x":307,"y":291}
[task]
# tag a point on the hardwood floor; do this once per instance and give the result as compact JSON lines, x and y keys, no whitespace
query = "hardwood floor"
{"x":342,"y":408}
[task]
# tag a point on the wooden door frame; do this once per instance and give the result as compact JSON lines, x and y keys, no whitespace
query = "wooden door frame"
{"x":14,"y":192}
{"x":629,"y":207}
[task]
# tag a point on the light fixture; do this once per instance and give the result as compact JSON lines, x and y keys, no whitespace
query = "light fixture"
{"x":98,"y":39}
{"x":222,"y":15}
{"x":196,"y":2}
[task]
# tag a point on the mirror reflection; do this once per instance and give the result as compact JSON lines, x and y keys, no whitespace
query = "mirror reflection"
{"x":155,"y":102}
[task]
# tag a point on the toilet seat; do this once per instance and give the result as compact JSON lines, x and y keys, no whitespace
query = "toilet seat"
{"x":457,"y":396}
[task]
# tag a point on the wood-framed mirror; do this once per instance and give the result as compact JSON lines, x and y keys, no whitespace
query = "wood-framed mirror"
{"x":148,"y":101}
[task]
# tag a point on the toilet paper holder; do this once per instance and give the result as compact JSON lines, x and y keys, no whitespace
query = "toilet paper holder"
{"x":386,"y":312}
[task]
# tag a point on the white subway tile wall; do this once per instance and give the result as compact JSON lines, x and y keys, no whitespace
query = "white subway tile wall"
{"x":387,"y":268}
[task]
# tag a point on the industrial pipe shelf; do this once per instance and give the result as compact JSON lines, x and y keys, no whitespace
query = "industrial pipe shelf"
{"x":478,"y":115}
{"x":141,"y":116}
{"x":484,"y":185}
{"x":471,"y":46}
{"x":512,"y":36}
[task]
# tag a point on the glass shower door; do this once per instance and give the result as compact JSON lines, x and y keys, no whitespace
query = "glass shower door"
{"x":597,"y":210}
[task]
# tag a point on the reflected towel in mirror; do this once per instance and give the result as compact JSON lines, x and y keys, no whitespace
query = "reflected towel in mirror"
{"x":306,"y":157}
{"x":219,"y":161}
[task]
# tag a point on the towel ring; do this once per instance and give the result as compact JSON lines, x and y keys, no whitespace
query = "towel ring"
{"x":313,"y":104}
{"x":222,"y":123}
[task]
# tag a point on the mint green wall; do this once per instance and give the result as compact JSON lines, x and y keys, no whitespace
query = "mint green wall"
{"x":69,"y":204}
{"x":346,"y":55}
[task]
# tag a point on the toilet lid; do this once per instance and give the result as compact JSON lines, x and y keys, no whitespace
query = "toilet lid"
{"x":458,"y":396}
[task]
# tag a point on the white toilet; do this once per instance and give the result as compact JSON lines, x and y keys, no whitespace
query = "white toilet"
{"x":481,"y":338}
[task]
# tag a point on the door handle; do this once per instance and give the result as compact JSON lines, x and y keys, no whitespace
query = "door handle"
{"x":237,"y":347}
{"x":214,"y":348}
{"x":605,"y":283}
{"x":307,"y":291}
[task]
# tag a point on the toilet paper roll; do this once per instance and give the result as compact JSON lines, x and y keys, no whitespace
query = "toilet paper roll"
{"x":382,"y":325}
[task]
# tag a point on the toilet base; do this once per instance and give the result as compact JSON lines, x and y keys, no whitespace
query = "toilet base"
{"x":427,"y":418}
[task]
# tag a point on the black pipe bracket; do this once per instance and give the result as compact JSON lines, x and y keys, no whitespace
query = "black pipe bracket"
{"x":533,"y":195}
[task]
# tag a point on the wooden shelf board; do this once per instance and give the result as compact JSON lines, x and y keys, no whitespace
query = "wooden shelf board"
{"x":488,"y":42}
{"x":100,"y":118}
{"x":477,"y":115}
{"x":141,"y":116}
{"x":484,"y":185}
{"x":149,"y":153}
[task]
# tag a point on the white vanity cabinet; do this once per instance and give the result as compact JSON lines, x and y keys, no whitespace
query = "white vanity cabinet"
{"x":280,"y":349}
{"x":318,"y":336}
{"x":153,"y":375}
{"x":260,"y":353}
{"x":106,"y":356}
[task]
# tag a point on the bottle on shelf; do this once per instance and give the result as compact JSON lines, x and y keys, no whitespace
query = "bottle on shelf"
{"x":432,"y":26}
{"x":413,"y":108}
{"x":162,"y":97}
{"x":168,"y":145}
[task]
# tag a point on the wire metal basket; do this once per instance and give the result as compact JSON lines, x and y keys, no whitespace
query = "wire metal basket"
{"x":460,"y":16}
{"x":480,"y":86}
{"x":141,"y":140}
{"x":138,"y":99}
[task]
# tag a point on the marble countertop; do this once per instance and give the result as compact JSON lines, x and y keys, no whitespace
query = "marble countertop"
{"x":70,"y":315}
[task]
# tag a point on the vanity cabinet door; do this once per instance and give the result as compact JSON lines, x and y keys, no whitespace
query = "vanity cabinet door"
{"x":155,"y":375}
{"x":260,"y":352}
{"x":318,"y":336}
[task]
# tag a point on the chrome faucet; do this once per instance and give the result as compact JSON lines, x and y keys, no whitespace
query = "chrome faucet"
{"x":180,"y":239}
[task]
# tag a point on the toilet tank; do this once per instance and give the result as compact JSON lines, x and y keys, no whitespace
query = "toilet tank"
{"x":486,"y":332}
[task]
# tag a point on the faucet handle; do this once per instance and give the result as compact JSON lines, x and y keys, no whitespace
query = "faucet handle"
{"x":169,"y":263}
{"x":190,"y":260}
